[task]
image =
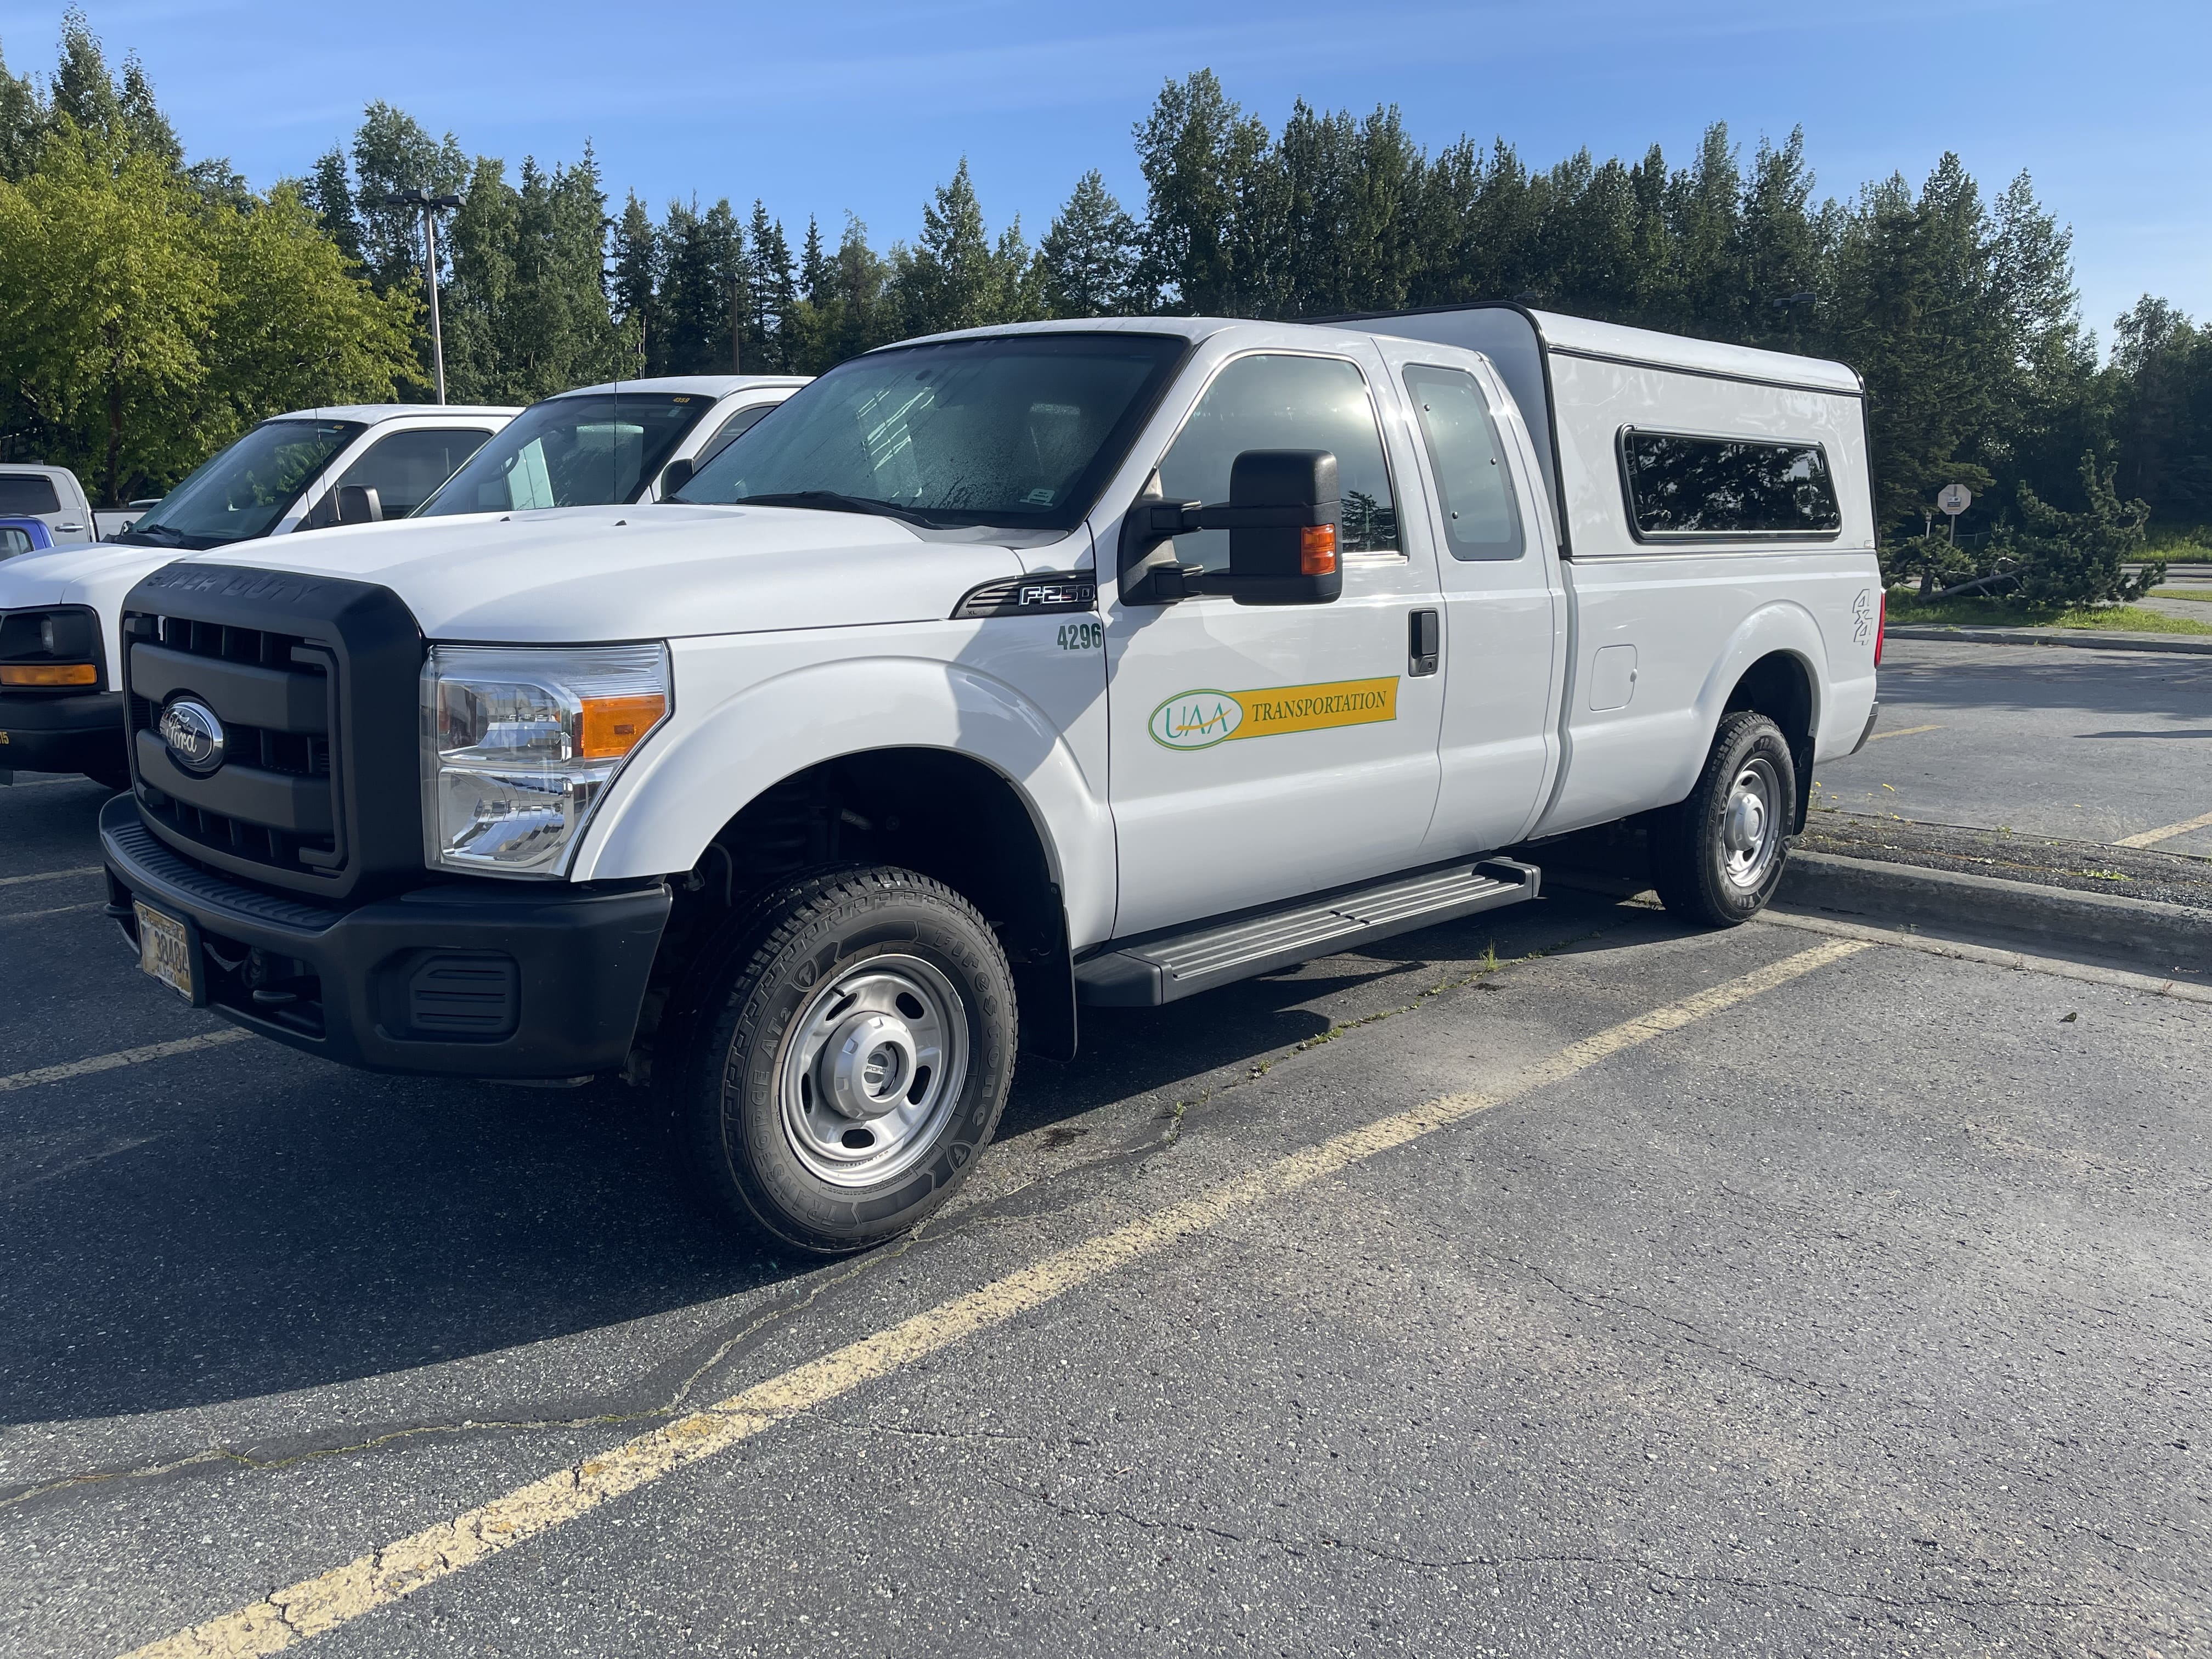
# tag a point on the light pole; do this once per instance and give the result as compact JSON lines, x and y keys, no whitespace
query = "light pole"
{"x":430,"y":206}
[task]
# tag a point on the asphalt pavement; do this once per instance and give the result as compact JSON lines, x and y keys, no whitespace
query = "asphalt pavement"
{"x":1556,"y":1282}
{"x":2112,"y":746}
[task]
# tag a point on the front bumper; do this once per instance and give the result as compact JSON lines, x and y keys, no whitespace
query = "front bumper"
{"x":41,"y":732}
{"x":459,"y":979}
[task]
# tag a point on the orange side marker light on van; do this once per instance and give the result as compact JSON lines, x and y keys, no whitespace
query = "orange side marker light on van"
{"x":41,"y":673}
{"x":615,"y":725}
{"x":1317,"y":550}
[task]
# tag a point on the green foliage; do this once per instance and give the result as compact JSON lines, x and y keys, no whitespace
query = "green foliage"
{"x":144,"y":325}
{"x":1090,"y":255}
{"x":2080,"y":558}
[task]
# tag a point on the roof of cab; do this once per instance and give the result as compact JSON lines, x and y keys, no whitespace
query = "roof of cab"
{"x":1559,"y":332}
{"x":370,"y":414}
{"x":698,"y":386}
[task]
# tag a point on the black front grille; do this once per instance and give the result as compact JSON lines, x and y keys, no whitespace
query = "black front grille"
{"x":210,"y":813}
{"x":314,"y":681}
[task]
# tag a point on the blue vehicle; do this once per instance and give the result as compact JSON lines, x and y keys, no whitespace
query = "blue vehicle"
{"x":20,"y":534}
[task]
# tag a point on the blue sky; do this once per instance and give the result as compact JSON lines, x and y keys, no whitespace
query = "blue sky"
{"x":840,"y":105}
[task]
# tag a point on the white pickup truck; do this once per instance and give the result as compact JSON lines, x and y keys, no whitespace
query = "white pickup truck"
{"x":999,"y":674}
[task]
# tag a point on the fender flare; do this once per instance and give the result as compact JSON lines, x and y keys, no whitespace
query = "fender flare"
{"x":689,"y":782}
{"x":1778,"y":628}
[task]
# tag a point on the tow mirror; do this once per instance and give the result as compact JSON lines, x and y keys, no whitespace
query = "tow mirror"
{"x":674,"y":476}
{"x":360,"y":504}
{"x":1283,"y":519}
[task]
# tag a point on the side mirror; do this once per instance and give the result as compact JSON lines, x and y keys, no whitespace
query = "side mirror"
{"x":1282,"y":517}
{"x":1282,"y":527}
{"x":360,"y":504}
{"x":675,"y":476}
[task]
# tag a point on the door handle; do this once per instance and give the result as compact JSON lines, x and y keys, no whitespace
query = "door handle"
{"x":1422,"y":640}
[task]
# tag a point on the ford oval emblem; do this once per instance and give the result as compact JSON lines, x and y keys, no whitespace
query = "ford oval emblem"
{"x":193,"y":735}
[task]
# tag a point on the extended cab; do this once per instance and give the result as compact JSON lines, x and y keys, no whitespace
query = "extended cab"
{"x":999,"y":674}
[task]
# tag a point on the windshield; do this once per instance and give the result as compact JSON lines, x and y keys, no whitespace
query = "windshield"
{"x":589,"y":450}
{"x":1014,"y":429}
{"x":246,"y":489}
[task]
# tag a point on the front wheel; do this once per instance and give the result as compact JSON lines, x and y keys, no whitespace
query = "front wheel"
{"x":1717,"y":858}
{"x":850,"y":1051}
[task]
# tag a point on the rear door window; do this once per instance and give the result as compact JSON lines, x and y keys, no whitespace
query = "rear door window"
{"x":14,"y":541}
{"x":1276,"y":400}
{"x":1684,"y":487}
{"x":406,"y":467}
{"x":1481,"y":519}
{"x":27,"y":493}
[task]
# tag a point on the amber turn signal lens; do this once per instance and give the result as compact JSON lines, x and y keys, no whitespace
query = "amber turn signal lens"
{"x":48,"y":673}
{"x":615,"y":725}
{"x":1317,"y":551}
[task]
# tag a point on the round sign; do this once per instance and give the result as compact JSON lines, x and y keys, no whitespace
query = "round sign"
{"x":1955,"y":499}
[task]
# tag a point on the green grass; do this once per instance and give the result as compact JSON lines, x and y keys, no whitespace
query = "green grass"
{"x":2201,"y":594}
{"x":1972,"y":611}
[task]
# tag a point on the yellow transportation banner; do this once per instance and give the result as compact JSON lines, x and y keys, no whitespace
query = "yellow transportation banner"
{"x":1199,"y":719}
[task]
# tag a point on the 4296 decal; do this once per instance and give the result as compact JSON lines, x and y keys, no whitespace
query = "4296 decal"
{"x":1082,"y":636}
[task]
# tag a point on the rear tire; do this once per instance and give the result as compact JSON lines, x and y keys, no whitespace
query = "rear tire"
{"x":850,"y":1044}
{"x":1717,"y":857}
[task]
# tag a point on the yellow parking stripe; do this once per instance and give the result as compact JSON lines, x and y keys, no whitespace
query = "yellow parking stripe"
{"x":121,"y":1057}
{"x":1903,"y":731}
{"x":2152,"y":837}
{"x":400,"y":1568}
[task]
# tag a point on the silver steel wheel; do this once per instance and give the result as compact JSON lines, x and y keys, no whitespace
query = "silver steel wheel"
{"x":1751,"y":824}
{"x":871,"y":1068}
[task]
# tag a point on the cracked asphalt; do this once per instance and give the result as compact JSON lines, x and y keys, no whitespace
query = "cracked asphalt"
{"x":1868,"y":1314}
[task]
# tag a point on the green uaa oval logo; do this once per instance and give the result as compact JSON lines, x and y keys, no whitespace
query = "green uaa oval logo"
{"x":1196,"y":719}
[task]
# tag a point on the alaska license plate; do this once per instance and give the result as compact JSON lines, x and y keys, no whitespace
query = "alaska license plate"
{"x":165,"y":950}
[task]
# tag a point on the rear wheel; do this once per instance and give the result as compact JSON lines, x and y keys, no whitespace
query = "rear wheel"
{"x":851,"y":1045}
{"x":1717,"y":858}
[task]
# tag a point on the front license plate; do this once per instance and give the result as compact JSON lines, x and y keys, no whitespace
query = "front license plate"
{"x":165,"y":950}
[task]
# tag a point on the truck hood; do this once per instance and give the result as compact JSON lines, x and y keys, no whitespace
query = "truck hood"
{"x":87,"y":574}
{"x":574,"y":574}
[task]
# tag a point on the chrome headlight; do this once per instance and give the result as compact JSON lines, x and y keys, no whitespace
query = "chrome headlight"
{"x":521,"y":742}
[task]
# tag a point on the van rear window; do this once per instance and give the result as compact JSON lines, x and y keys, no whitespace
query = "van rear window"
{"x":1683,"y":487}
{"x":27,"y":492}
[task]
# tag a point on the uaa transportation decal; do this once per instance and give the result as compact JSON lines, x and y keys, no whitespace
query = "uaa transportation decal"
{"x":1199,"y":719}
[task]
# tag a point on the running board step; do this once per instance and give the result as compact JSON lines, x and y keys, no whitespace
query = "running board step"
{"x":1161,"y":970}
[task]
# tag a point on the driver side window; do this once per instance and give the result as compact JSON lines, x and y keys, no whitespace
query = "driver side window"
{"x":1276,"y":400}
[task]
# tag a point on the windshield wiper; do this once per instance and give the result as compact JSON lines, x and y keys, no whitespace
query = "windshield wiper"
{"x":831,"y":500}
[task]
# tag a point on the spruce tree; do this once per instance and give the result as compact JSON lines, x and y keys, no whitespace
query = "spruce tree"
{"x":1089,"y":255}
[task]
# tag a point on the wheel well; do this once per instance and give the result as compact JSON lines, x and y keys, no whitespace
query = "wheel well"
{"x":930,"y":810}
{"x":1778,"y":687}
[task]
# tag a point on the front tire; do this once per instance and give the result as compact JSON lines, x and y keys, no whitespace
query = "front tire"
{"x":851,"y":1046}
{"x":1717,"y":857}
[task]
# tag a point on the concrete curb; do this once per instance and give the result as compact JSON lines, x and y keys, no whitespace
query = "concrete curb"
{"x":2081,"y":639}
{"x":2163,"y":936}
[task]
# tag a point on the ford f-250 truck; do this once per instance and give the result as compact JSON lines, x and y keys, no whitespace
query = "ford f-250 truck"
{"x":1000,"y":673}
